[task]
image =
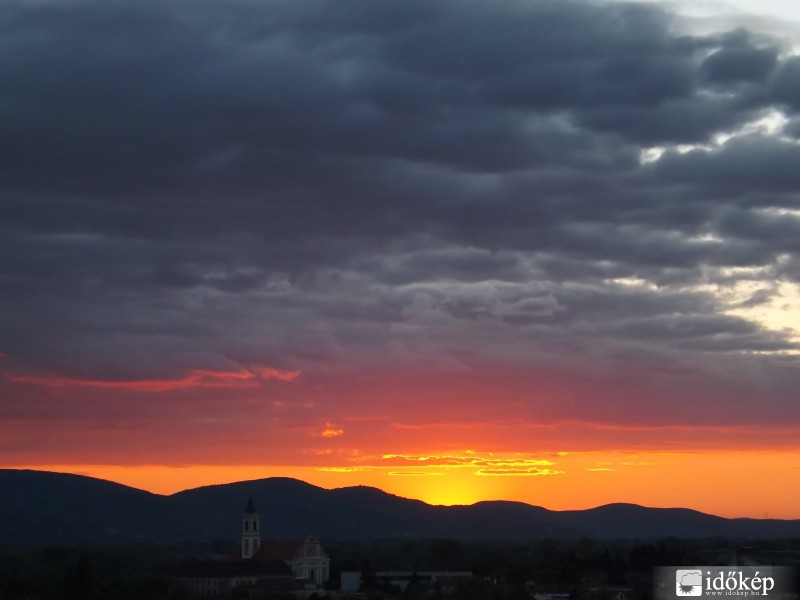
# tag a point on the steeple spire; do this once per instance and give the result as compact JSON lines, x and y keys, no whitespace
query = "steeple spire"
{"x":251,"y":536}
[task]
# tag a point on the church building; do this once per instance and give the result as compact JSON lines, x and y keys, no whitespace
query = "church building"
{"x":307,"y":559}
{"x":264,"y":569}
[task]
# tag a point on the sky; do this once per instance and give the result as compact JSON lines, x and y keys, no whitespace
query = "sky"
{"x":534,"y":250}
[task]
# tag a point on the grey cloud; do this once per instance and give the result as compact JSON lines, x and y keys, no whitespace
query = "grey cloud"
{"x":225,"y":182}
{"x":786,"y":86}
{"x":683,"y":120}
{"x":779,"y":232}
{"x":709,"y":332}
{"x":744,"y":165}
{"x":740,"y":60}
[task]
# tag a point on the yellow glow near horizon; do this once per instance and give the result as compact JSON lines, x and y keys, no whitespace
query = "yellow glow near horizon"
{"x":754,"y":484}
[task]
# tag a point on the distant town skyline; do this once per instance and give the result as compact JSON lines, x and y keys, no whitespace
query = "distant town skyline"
{"x":538,"y":250}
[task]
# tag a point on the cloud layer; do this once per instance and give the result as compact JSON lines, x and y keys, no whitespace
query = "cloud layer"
{"x":552,"y":211}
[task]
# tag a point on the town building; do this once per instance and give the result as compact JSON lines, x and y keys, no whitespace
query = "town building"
{"x":288,"y":567}
{"x":353,"y":581}
{"x":306,"y":559}
{"x":223,"y":578}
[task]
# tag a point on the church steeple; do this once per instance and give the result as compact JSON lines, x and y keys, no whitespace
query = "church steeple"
{"x":251,"y":536}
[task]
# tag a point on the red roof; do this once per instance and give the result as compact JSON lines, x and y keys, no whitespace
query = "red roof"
{"x":279,"y":550}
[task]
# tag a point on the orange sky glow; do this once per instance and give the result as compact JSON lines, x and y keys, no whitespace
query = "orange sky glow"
{"x":729,"y":484}
{"x":405,"y":444}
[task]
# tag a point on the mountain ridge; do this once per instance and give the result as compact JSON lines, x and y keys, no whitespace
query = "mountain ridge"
{"x":45,"y":507}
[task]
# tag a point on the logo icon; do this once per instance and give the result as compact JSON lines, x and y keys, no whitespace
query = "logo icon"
{"x":688,"y":582}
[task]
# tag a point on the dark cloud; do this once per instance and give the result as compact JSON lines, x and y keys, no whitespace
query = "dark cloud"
{"x":749,"y":164}
{"x":786,"y":85}
{"x":208,"y":184}
{"x":740,"y":59}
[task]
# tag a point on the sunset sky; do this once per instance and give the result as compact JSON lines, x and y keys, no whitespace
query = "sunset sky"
{"x":535,"y":250}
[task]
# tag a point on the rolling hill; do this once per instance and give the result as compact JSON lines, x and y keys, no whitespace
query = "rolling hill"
{"x":38,"y":507}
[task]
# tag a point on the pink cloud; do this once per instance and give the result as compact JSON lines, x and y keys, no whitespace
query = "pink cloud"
{"x":196,"y":379}
{"x":270,"y":373}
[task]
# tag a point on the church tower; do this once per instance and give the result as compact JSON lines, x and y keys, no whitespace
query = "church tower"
{"x":251,"y":537}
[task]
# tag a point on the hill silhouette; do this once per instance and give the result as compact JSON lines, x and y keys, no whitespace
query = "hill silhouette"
{"x":38,"y":507}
